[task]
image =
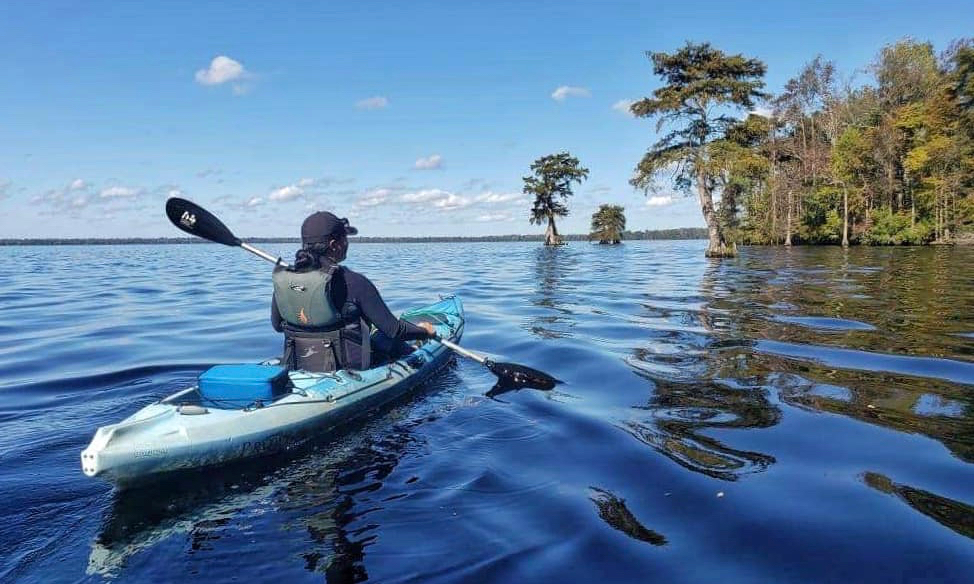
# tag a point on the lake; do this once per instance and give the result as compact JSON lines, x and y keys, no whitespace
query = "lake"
{"x":791,"y":415}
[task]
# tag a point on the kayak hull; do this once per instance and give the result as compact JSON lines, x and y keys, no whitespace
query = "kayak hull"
{"x":180,"y":433}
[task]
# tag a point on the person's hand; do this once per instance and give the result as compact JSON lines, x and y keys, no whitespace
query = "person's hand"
{"x":427,"y":327}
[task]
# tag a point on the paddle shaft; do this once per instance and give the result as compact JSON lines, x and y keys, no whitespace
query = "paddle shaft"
{"x":264,"y":255}
{"x":458,"y":349}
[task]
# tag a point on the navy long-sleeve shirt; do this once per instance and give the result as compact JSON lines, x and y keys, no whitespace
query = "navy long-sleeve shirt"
{"x":356,"y":296}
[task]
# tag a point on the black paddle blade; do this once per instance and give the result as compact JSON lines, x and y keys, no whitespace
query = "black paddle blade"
{"x":197,"y":221}
{"x":513,"y":376}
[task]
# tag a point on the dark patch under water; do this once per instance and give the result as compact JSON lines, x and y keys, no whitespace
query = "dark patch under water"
{"x":797,"y":415}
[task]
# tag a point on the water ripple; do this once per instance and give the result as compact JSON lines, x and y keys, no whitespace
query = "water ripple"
{"x":730,"y":420}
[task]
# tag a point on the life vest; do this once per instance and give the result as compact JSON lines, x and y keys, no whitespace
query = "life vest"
{"x":316,"y":337}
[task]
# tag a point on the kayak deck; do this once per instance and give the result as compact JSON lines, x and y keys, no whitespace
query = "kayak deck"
{"x":183,"y":432}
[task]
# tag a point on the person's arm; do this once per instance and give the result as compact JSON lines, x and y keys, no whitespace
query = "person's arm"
{"x":277,"y":321}
{"x":364,"y":293}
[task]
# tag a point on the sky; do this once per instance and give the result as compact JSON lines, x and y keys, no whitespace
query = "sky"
{"x":409,"y":118}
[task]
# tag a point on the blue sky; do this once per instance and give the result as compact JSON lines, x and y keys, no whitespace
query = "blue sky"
{"x":411,"y":118}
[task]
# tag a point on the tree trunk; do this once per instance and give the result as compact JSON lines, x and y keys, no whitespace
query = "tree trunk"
{"x":774,"y":215}
{"x":788,"y":224}
{"x":551,"y":233}
{"x":845,"y":216}
{"x":718,"y":247}
{"x":774,"y":186}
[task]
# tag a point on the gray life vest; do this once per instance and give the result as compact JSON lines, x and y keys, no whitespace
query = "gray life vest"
{"x":316,"y":337}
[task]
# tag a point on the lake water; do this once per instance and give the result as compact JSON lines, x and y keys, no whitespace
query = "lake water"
{"x":801,"y":415}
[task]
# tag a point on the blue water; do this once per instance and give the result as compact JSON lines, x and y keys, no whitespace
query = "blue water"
{"x":794,"y":415}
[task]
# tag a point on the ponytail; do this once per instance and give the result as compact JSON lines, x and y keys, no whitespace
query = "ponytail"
{"x":312,"y":256}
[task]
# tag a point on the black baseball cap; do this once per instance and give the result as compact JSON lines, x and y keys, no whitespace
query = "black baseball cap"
{"x":322,"y":227}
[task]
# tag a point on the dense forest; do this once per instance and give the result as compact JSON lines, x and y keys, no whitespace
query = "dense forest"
{"x":885,"y":162}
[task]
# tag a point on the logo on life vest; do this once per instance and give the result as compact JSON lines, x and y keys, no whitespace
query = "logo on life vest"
{"x":303,"y":317}
{"x":188,"y":220}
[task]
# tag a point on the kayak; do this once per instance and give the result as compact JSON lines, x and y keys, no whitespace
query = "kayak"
{"x":193,"y":429}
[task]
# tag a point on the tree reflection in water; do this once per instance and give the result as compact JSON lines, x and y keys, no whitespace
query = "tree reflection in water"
{"x":848,"y":318}
{"x":700,"y":386}
{"x":617,"y":515}
{"x":957,"y":516}
{"x":551,"y":266}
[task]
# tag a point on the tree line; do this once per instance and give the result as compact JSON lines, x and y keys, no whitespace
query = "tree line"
{"x":889,"y":161}
{"x":655,"y":234}
{"x":885,"y":162}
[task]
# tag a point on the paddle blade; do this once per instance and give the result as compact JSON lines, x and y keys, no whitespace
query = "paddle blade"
{"x":197,"y":221}
{"x":511,"y":375}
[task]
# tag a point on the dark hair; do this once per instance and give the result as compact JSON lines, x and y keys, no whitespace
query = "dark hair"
{"x":312,"y":256}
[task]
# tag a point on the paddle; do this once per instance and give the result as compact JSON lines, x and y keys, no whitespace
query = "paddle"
{"x":196,"y":220}
{"x":509,"y":375}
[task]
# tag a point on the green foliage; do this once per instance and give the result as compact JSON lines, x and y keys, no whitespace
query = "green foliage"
{"x":901,"y":147}
{"x":608,"y":224}
{"x":889,"y":228}
{"x":906,"y":72}
{"x":551,"y":185}
{"x":697,"y":78}
{"x":822,"y":222}
{"x":963,"y":81}
{"x":701,"y":86}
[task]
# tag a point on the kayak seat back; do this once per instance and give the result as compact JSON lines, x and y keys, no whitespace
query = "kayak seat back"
{"x":240,"y":386}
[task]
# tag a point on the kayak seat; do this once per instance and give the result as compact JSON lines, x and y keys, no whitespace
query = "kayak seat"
{"x":240,"y":386}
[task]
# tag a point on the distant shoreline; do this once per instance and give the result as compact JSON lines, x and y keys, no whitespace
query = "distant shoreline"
{"x":664,"y":234}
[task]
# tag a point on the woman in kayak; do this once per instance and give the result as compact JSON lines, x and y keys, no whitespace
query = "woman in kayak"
{"x":326,"y":310}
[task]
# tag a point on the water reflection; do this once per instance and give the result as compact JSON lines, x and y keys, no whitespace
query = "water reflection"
{"x":551,"y":266}
{"x":700,"y":383}
{"x":617,"y":515}
{"x":321,"y":490}
{"x":956,"y":516}
{"x":196,"y":504}
{"x":676,"y":418}
{"x":872,"y":334}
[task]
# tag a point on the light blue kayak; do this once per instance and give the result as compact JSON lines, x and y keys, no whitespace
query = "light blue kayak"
{"x":186,"y":431}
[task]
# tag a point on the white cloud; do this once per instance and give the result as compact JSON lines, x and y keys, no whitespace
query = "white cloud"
{"x":253,"y":202}
{"x":451,"y":202}
{"x":4,"y":188}
{"x":438,"y":199}
{"x":764,"y":112}
{"x":491,"y":218}
{"x":425,"y":196}
{"x":118,"y":192}
{"x":566,"y":91}
{"x":372,"y":103}
{"x":306,"y":182}
{"x":429,"y":163}
{"x":174,"y":193}
{"x":288,"y":193}
{"x":221,"y":70}
{"x":77,"y":185}
{"x":623,"y":106}
{"x":659,"y":201}
{"x":491,"y":198}
{"x":79,"y":202}
{"x":374,"y":198}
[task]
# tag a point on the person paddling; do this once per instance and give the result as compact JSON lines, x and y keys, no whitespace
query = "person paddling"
{"x":326,"y":311}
